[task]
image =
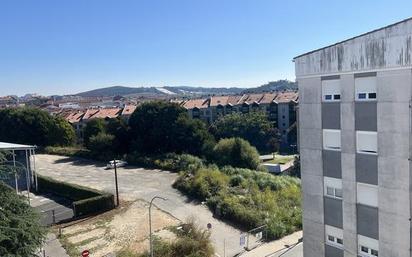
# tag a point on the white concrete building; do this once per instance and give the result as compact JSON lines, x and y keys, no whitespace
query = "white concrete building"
{"x":355,"y":145}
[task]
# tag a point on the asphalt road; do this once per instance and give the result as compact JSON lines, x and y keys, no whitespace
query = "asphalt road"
{"x":137,"y":183}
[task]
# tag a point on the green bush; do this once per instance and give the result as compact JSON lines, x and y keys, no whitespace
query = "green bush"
{"x":236,"y":152}
{"x":95,"y":204}
{"x":170,"y":162}
{"x":191,"y":241}
{"x":85,"y":200}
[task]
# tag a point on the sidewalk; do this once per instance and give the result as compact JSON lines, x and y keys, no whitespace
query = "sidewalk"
{"x":272,"y":247}
{"x":52,"y":247}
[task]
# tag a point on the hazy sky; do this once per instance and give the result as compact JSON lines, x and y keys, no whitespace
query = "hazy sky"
{"x":68,"y":46}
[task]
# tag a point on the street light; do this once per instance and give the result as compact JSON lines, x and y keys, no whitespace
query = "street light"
{"x":150,"y":222}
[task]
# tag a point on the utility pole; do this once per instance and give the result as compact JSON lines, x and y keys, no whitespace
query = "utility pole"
{"x":117,"y":186}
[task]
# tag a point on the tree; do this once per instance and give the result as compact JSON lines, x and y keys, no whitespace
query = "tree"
{"x":101,"y":146}
{"x":161,"y":127}
{"x":253,"y":127}
{"x":92,"y":128}
{"x":34,"y":126}
{"x":119,"y":129}
{"x":62,"y":133}
{"x":236,"y":152}
{"x":20,"y":231}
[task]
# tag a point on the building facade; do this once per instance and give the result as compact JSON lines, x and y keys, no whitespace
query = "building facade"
{"x":354,"y":128}
{"x":280,"y":108}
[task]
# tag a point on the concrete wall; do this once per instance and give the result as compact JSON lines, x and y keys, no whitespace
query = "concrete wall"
{"x":387,"y":48}
{"x":394,"y":94}
{"x":312,"y":171}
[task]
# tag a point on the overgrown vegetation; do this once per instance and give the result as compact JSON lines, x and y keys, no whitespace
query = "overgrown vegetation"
{"x":191,"y":241}
{"x":20,"y":231}
{"x":246,"y":197}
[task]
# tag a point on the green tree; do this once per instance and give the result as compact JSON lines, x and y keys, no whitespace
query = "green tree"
{"x":101,"y":146}
{"x":34,"y":126}
{"x":20,"y":231}
{"x":236,"y":152}
{"x":119,"y":129}
{"x":92,"y":128}
{"x":62,"y":133}
{"x":161,"y":127}
{"x":253,"y":127}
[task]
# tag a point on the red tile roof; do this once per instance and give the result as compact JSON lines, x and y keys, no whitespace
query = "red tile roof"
{"x":75,"y":116}
{"x":216,"y":100}
{"x":128,"y":109}
{"x":199,"y":103}
{"x":286,"y":97}
{"x":107,"y":113}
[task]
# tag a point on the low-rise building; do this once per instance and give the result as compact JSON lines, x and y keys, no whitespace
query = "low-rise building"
{"x":280,"y":108}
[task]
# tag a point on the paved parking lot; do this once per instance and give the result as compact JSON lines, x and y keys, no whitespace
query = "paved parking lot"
{"x":137,"y":183}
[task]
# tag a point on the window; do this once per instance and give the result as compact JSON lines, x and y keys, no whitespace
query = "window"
{"x":365,"y":89}
{"x":367,"y":194}
{"x":331,"y":139}
{"x":334,"y":236}
{"x":366,"y":142}
{"x":367,"y":247}
{"x":332,"y":187}
{"x":331,"y":90}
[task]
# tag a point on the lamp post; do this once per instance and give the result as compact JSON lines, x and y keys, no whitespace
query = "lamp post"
{"x":150,"y":222}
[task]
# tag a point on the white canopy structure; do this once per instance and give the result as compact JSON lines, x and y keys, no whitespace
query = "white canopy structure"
{"x":29,"y":163}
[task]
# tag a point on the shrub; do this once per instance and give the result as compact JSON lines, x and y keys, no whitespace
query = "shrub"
{"x":95,"y":204}
{"x":170,"y":162}
{"x":192,"y":241}
{"x":68,"y":151}
{"x":236,"y":152}
{"x":85,"y":200}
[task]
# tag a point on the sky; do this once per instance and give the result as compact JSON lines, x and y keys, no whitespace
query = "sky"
{"x":69,"y":46}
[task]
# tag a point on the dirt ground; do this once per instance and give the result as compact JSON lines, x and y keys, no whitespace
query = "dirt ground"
{"x":127,"y":227}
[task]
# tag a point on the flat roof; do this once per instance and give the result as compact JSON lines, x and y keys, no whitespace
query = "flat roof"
{"x":361,"y":35}
{"x":10,"y":146}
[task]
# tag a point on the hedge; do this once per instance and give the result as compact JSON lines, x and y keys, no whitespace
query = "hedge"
{"x":86,"y":201}
{"x":67,"y":190}
{"x":95,"y":204}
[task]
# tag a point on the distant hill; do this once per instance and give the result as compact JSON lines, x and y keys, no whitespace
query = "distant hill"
{"x":279,"y":85}
{"x":161,"y":91}
{"x":118,"y":90}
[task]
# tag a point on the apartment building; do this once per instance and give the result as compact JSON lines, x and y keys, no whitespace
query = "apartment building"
{"x":280,"y":108}
{"x":354,"y":128}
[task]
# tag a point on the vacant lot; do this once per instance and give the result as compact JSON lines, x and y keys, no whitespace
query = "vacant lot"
{"x":121,"y":228}
{"x":135,"y":184}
